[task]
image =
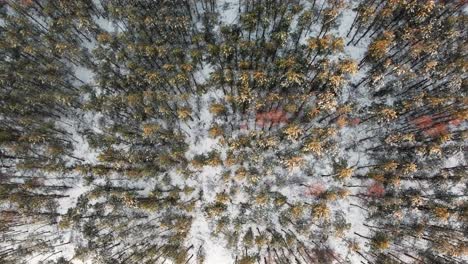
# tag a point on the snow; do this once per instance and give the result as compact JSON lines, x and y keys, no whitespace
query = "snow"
{"x":209,"y":178}
{"x":458,"y":159}
{"x":84,"y":74}
{"x":229,"y":14}
{"x":215,"y":252}
{"x":210,"y":182}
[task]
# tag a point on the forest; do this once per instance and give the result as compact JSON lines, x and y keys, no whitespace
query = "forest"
{"x":233,"y":131}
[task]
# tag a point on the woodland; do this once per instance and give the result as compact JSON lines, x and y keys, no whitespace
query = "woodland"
{"x":233,"y":131}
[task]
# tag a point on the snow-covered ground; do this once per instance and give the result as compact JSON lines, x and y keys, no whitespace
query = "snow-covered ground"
{"x":200,"y":143}
{"x":316,"y":172}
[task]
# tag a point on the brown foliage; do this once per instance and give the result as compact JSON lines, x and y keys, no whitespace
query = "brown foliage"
{"x":274,"y":117}
{"x":376,"y":190}
{"x":315,"y":190}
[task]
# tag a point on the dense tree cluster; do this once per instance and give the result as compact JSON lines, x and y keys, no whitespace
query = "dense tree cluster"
{"x":319,"y":131}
